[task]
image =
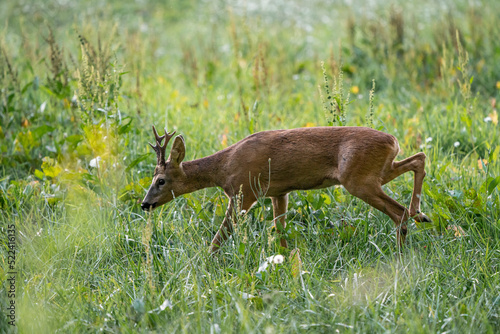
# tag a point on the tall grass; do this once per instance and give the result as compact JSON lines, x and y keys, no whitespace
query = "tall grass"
{"x":81,"y":84}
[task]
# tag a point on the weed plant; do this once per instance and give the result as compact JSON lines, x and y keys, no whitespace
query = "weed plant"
{"x":82,"y":82}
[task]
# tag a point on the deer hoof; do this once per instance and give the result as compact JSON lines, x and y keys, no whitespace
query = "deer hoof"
{"x":421,"y":218}
{"x":214,"y":249}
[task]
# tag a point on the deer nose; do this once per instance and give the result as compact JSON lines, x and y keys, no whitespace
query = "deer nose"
{"x":146,"y":206}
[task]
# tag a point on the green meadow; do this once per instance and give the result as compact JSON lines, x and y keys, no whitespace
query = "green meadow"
{"x":81,"y":84}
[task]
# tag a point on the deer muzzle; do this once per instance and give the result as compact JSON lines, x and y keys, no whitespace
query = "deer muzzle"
{"x":148,"y":206}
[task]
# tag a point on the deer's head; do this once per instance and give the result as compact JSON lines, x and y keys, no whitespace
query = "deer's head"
{"x":168,"y":179}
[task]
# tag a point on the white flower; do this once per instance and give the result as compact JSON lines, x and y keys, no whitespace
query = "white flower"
{"x":166,"y":303}
{"x":246,"y":296}
{"x":95,"y":162}
{"x":456,"y":144}
{"x":278,"y":259}
{"x":262,"y":267}
{"x":428,"y":139}
{"x":275,"y":259}
{"x":487,"y":119}
{"x":42,"y":106}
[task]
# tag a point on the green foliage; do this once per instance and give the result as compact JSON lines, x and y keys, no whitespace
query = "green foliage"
{"x":77,"y":101}
{"x":337,"y":101}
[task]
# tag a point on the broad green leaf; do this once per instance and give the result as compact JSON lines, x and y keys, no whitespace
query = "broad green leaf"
{"x":125,"y":128}
{"x":241,"y":248}
{"x":494,"y":154}
{"x":492,"y":183}
{"x":327,"y":200}
{"x":137,"y":161}
{"x":50,"y":167}
{"x":41,"y":130}
{"x":39,"y":174}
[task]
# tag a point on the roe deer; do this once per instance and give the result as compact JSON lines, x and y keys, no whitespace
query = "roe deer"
{"x":280,"y":161}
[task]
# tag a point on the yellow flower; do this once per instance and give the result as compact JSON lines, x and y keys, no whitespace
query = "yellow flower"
{"x":480,"y":163}
{"x":494,"y":117}
{"x":224,"y":141}
{"x":310,"y":125}
{"x":456,"y":230}
{"x":355,"y":89}
{"x":498,"y":84}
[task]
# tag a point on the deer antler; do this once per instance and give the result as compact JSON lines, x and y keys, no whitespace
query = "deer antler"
{"x":159,"y":148}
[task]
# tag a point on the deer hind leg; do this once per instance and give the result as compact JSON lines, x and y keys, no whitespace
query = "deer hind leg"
{"x":280,"y":205}
{"x":226,"y":228}
{"x":376,"y":197}
{"x":416,"y":164}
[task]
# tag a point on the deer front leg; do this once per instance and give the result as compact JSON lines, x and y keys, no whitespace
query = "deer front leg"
{"x":225,"y":229}
{"x":280,"y":205}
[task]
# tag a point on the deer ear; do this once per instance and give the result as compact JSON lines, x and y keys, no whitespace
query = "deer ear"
{"x":178,"y":151}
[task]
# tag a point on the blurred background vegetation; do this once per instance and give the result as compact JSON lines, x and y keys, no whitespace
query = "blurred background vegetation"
{"x":81,"y":83}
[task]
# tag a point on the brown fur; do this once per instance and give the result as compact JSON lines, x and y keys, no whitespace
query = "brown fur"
{"x":274,"y":163}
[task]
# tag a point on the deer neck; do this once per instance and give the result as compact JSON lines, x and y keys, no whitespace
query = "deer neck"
{"x":202,"y":173}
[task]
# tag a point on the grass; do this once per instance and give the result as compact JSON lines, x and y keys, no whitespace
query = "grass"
{"x":81,"y":80}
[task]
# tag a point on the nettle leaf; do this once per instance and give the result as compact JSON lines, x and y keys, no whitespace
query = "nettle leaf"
{"x":327,"y":200}
{"x":494,"y":154}
{"x":42,"y":130}
{"x":26,"y":140}
{"x":50,"y":167}
{"x":137,"y":161}
{"x":126,"y":127}
{"x":39,"y":174}
{"x":492,"y":184}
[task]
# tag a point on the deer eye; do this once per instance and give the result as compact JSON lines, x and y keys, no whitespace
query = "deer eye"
{"x":161,"y":182}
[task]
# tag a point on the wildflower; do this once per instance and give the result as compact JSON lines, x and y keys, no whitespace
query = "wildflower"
{"x":277,"y":259}
{"x":494,"y":117}
{"x":166,"y":303}
{"x":355,"y":89}
{"x":456,"y":144}
{"x":42,"y":106}
{"x":428,"y":139}
{"x":263,"y":266}
{"x":456,"y":230}
{"x":246,"y":296}
{"x":482,"y":162}
{"x":224,"y":141}
{"x":95,"y":162}
{"x":487,"y":119}
{"x":274,"y":259}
